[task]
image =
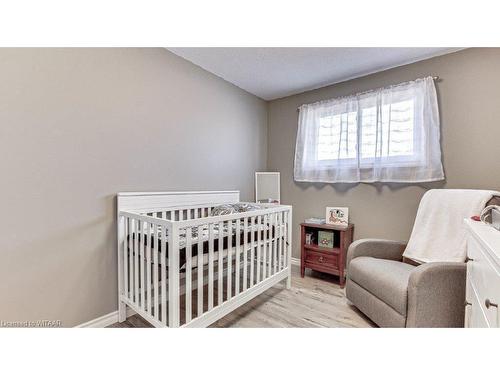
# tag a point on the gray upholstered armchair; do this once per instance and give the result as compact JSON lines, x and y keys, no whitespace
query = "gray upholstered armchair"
{"x":397,"y":292}
{"x":394,"y":293}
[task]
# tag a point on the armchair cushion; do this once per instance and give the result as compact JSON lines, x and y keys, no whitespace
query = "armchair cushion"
{"x":385,"y":279}
{"x":376,"y":248}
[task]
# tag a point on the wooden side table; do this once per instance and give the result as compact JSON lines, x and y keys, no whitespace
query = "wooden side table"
{"x":325,"y":259}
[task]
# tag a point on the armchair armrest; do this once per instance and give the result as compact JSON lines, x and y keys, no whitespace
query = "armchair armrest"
{"x":384,"y":249}
{"x":436,"y":295}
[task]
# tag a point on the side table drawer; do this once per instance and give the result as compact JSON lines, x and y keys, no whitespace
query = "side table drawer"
{"x":330,"y":260}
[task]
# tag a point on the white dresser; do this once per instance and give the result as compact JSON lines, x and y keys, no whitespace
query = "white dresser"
{"x":483,"y":276}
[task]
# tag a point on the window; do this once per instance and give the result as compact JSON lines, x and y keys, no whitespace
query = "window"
{"x":394,"y":140}
{"x":390,"y":134}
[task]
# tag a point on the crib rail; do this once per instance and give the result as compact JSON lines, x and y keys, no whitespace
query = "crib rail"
{"x":183,"y":267}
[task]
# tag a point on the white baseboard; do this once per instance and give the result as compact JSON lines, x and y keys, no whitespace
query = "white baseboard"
{"x":296,"y":261}
{"x":105,"y":320}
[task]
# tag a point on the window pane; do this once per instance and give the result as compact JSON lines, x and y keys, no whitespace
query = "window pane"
{"x":369,"y":132}
{"x":394,"y":134}
{"x":400,"y":129}
{"x":337,"y":138}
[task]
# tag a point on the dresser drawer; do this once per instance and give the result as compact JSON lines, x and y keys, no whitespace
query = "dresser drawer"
{"x":484,"y":281}
{"x":475,"y":316}
{"x":326,"y":260}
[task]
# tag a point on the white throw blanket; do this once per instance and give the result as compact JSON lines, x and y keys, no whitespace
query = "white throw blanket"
{"x":439,"y":233}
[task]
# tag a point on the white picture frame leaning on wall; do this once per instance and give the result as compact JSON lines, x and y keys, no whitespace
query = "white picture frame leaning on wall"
{"x":337,"y":216}
{"x":267,"y":187}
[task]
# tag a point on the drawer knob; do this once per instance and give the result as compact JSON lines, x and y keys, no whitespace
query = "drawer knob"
{"x":467,"y":304}
{"x":320,"y":259}
{"x":467,"y":259}
{"x":488,"y":303}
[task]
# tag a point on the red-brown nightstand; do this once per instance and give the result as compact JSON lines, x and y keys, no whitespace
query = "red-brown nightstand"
{"x":324,"y":259}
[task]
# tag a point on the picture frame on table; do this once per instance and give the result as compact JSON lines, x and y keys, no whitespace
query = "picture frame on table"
{"x":337,"y":216}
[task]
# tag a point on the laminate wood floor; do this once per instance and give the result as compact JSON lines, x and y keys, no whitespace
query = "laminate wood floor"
{"x":313,"y":301}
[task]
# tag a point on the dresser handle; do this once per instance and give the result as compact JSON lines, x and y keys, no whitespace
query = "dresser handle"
{"x":467,"y":259}
{"x":467,"y":304}
{"x":320,"y":259}
{"x":488,"y":303}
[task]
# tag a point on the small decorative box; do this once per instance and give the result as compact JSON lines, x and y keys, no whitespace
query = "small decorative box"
{"x":325,"y":239}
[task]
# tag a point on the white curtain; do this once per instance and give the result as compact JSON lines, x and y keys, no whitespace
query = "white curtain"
{"x":390,"y":134}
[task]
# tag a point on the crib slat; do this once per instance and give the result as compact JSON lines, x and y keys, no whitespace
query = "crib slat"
{"x":237,"y":263}
{"x":200,"y":271}
{"x":126,"y":247}
{"x":272,"y":254}
{"x":229,"y":276}
{"x":142,"y":260}
{"x":164,"y":290}
{"x":220,"y":274}
{"x":271,"y":250}
{"x":276,"y":257}
{"x":280,"y":242}
{"x":189,"y":266}
{"x":276,"y":240}
{"x":278,"y":234}
{"x":136,"y":261}
{"x":269,"y":245}
{"x":285,"y":239}
{"x":210,"y":266}
{"x":252,"y":249}
{"x":245,"y":253}
{"x":259,"y":244}
{"x":264,"y":249}
{"x":155,"y":244}
{"x":148,"y":268}
{"x":173,"y":277}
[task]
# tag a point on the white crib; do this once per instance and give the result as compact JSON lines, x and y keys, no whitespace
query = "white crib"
{"x":163,"y":277}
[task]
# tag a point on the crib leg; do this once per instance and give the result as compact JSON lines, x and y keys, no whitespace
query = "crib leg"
{"x":122,"y":312}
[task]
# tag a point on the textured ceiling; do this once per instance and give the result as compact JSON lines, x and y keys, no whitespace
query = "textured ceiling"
{"x":272,"y":73}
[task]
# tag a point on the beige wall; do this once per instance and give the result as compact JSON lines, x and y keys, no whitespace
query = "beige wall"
{"x":469,"y":98}
{"x":79,"y":125}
